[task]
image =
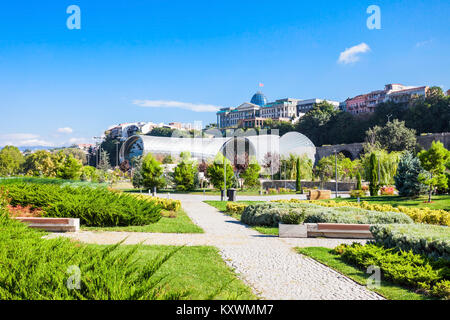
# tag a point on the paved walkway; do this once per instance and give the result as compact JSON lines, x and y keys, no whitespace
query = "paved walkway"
{"x":267,"y":264}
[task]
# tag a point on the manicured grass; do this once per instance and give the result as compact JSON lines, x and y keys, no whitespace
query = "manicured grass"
{"x":387,"y":289}
{"x":222,"y":207}
{"x":198,"y":271}
{"x":180,"y":224}
{"x":439,"y":202}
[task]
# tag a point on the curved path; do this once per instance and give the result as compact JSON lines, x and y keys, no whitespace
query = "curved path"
{"x":267,"y":264}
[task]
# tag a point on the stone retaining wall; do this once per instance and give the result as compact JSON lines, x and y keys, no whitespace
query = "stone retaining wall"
{"x":290,"y":184}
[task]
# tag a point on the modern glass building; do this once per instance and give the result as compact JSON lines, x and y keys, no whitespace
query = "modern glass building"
{"x":205,"y":149}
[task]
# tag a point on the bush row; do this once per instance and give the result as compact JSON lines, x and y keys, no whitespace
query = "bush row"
{"x":405,"y":268}
{"x":433,"y":241}
{"x":32,"y":268}
{"x":238,"y":208}
{"x":165,"y":204}
{"x":96,"y":207}
{"x":61,"y":182}
{"x":419,"y":215}
{"x":270,"y":214}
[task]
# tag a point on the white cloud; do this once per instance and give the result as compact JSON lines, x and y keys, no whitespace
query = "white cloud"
{"x":23,"y":139}
{"x":351,"y":55}
{"x":80,"y":140}
{"x":65,"y":130}
{"x":176,"y":104}
{"x":423,"y":43}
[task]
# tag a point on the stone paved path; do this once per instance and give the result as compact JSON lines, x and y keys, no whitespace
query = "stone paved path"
{"x":267,"y":264}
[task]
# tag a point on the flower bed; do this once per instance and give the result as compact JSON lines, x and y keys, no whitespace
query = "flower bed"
{"x":419,"y":215}
{"x":165,"y":204}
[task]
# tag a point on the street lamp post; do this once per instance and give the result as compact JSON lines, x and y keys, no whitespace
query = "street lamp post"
{"x":117,"y":152}
{"x":224,"y":177}
{"x":336,"y":172}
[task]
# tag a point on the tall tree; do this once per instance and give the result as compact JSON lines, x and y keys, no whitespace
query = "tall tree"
{"x":394,"y":136}
{"x":373,"y":175}
{"x":215,"y":173}
{"x":251,"y":175}
{"x":151,"y":172}
{"x":70,"y":168}
{"x":407,"y":178}
{"x":358,"y":181}
{"x":433,"y":161}
{"x":298,"y":180}
{"x":11,"y":160}
{"x":313,"y":123}
{"x":184,"y":172}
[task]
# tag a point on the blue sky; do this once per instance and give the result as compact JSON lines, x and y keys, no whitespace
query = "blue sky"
{"x":59,"y":86}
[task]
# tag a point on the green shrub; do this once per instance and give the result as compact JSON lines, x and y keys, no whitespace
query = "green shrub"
{"x":357,"y":193}
{"x":357,"y":216}
{"x":269,"y":214}
{"x":432,"y":241}
{"x":235,"y":207}
{"x":402,"y":267}
{"x":33,"y":268}
{"x":97,"y":207}
{"x":294,"y":217}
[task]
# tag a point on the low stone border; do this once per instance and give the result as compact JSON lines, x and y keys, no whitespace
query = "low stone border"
{"x":326,"y":230}
{"x":52,"y":224}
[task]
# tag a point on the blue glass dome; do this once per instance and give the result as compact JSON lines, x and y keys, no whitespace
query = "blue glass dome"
{"x":259,"y":99}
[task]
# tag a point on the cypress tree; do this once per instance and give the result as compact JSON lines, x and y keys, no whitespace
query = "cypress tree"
{"x":358,"y":182}
{"x":373,"y":176}
{"x":298,"y":182}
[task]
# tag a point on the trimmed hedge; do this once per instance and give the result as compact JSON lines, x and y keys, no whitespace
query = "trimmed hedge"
{"x":419,"y":215}
{"x":402,"y":267}
{"x":33,"y":268}
{"x":96,"y":207}
{"x":432,"y":241}
{"x":270,"y":214}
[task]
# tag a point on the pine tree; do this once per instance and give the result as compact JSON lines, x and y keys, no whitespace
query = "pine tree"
{"x":407,"y":176}
{"x":373,"y":176}
{"x":298,"y":182}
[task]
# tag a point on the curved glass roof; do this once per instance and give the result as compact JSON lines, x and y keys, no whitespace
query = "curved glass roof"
{"x":259,"y":99}
{"x":208,"y":148}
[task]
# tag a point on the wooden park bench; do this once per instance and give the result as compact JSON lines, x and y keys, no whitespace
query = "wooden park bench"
{"x":52,"y":224}
{"x":336,"y":230}
{"x":319,"y":195}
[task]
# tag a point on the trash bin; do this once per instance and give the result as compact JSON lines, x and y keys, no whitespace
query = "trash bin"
{"x":222,"y":195}
{"x":231,"y":193}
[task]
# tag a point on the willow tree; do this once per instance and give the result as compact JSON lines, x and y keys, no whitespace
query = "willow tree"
{"x":387,"y":164}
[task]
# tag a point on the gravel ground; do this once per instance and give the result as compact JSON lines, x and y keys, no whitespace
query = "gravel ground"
{"x":267,"y":264}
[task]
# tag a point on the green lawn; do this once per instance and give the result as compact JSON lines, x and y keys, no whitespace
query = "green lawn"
{"x":222,"y":207}
{"x":181,"y":224}
{"x":198,"y":271}
{"x":387,"y":289}
{"x":439,"y":202}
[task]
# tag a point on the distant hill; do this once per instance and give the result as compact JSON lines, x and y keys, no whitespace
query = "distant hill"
{"x":34,"y":148}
